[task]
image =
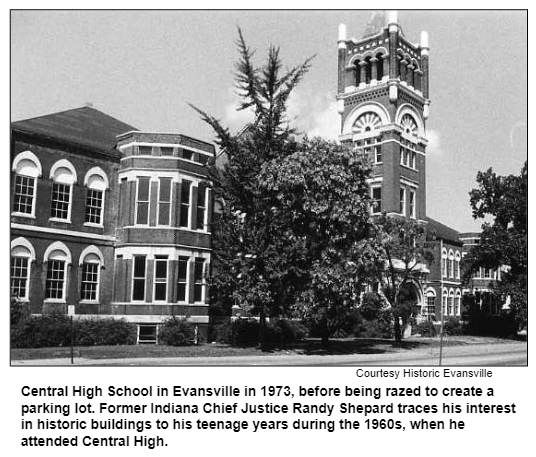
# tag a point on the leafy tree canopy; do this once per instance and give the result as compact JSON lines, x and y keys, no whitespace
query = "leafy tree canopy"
{"x":503,"y":242}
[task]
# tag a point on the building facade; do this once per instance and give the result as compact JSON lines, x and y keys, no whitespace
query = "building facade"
{"x":109,"y":221}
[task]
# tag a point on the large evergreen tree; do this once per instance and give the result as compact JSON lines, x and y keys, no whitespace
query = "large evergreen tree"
{"x":249,"y":267}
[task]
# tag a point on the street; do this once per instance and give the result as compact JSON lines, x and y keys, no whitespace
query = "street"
{"x":501,"y":354}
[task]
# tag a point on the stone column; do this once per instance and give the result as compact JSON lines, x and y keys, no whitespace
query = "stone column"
{"x":409,"y":75}
{"x":374,"y":70}
{"x":403,"y":64}
{"x":363,"y":73}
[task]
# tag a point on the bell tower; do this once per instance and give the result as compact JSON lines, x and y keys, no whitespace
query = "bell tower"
{"x":383,"y":102}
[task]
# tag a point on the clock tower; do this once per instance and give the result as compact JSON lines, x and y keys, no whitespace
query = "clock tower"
{"x":383,"y":102}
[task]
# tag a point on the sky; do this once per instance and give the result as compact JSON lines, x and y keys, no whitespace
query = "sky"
{"x":144,"y":67}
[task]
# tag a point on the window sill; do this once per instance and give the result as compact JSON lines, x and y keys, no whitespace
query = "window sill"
{"x":63,"y":221}
{"x":54,"y":301}
{"x":28,"y":216}
{"x":91,"y":224}
{"x":89,"y":302}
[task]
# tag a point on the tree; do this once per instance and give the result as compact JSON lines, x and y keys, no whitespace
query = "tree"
{"x":248,"y":266}
{"x":503,"y":242}
{"x":320,"y":204}
{"x":407,"y":250}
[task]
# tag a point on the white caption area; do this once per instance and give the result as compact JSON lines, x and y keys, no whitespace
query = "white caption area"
{"x":310,"y":411}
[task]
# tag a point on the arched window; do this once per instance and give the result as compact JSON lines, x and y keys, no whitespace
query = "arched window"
{"x":451,"y":303}
{"x":96,"y":183}
{"x":445,"y":297}
{"x":22,"y":254}
{"x":450,"y":266}
{"x":457,"y":259}
{"x":91,"y":263}
{"x":27,"y":169}
{"x":63,"y":176}
{"x":430,"y":303}
{"x":444,"y":263}
{"x":458,"y":303}
{"x":57,"y":259}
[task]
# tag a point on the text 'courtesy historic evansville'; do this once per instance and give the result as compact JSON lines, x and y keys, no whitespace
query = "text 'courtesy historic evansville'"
{"x":151,"y":416}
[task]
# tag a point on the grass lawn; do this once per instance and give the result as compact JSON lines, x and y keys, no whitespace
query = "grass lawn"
{"x":310,"y":346}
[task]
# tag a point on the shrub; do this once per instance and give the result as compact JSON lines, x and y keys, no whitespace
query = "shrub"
{"x":425,"y":328}
{"x":49,"y":330}
{"x":177,"y":332}
{"x":502,"y":326}
{"x":104,"y":332}
{"x":452,"y":326}
{"x":285,"y":331}
{"x":375,"y":321}
{"x":245,"y":332}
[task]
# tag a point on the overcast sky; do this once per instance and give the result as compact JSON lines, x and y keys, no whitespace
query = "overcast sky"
{"x":144,"y":67}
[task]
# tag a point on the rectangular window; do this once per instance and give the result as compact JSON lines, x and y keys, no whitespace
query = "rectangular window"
{"x":61,"y":196}
{"x":142,"y":201}
{"x":55,"y":279}
{"x":94,"y":206}
{"x":19,"y":277}
{"x":166,"y":150}
{"x":402,"y":209}
{"x":145,"y":150}
{"x":185,"y":204}
{"x":378,"y":157}
{"x":138,"y":278}
{"x":160,"y":278}
{"x":413,"y":160}
{"x":23,"y":197}
{"x":147,"y":334}
{"x":376,"y":204}
{"x":201,"y":206}
{"x":90,"y":281}
{"x":182,"y":281}
{"x":164,"y":201}
{"x":199,"y":279}
{"x":430,"y":305}
{"x":187,"y":154}
{"x":412,"y":212}
{"x":406,"y":158}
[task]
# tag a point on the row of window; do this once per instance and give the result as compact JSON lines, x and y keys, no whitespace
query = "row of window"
{"x":408,"y":155}
{"x":450,"y":264}
{"x":56,"y":260}
{"x":487,"y":273}
{"x":172,"y":151}
{"x":408,"y":201}
{"x":161,"y":279}
{"x":63,"y":175}
{"x":143,"y":203}
{"x":451,"y":303}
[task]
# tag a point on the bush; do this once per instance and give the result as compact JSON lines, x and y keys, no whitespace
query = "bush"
{"x":452,"y":326}
{"x":104,"y":332}
{"x":375,"y":321}
{"x":52,"y":330}
{"x":177,"y":332}
{"x":49,"y":330}
{"x":425,"y":328}
{"x":245,"y":332}
{"x":501,"y":326}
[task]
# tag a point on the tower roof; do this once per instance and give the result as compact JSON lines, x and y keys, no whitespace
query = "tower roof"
{"x":84,"y":126}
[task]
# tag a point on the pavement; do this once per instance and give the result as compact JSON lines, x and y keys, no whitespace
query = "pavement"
{"x":498,"y":354}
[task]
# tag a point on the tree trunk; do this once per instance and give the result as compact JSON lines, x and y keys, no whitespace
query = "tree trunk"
{"x":325,"y":334}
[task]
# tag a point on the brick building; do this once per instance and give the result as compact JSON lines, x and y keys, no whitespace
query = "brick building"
{"x":109,"y":221}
